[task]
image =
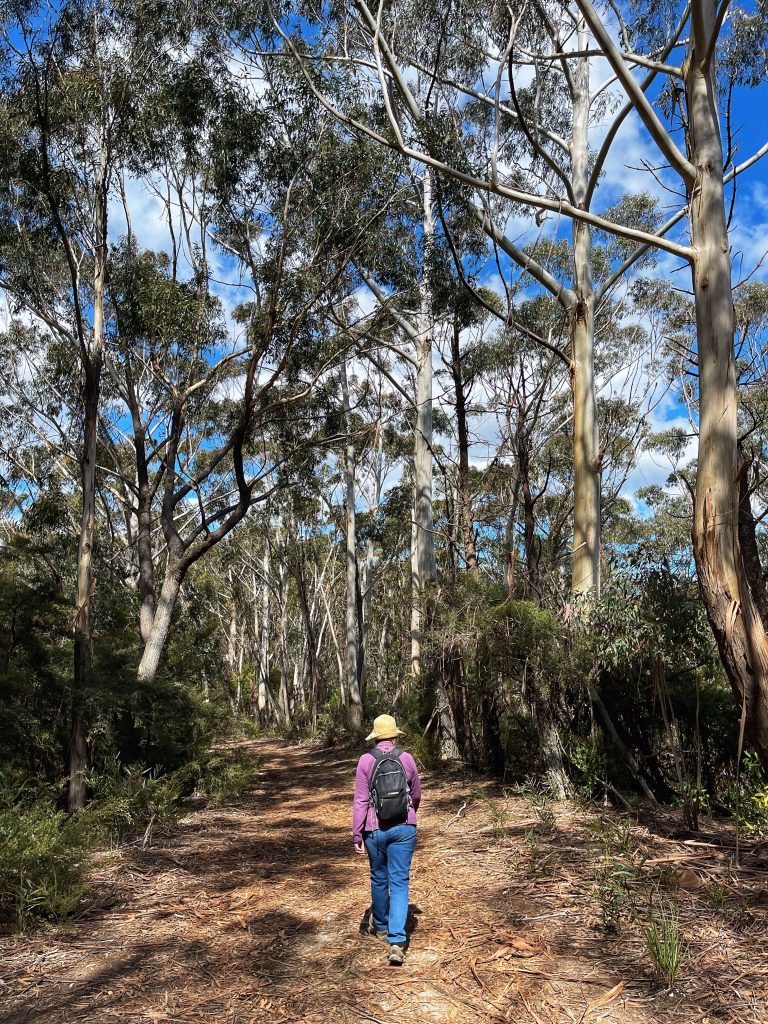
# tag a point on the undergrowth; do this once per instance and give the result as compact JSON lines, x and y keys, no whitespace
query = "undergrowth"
{"x":664,"y":942}
{"x":44,"y":851}
{"x":628,"y":893}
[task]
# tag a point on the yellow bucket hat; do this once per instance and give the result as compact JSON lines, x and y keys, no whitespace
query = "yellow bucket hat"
{"x":384,"y":728}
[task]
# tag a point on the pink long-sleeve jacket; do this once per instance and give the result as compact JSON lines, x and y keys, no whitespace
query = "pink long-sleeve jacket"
{"x":363,"y":815}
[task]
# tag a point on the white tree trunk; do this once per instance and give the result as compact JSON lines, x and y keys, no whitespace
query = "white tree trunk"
{"x":337,"y":651}
{"x":424,"y":571}
{"x":283,"y":577}
{"x":415,"y":597}
{"x":264,"y":645}
{"x":161,"y":625}
{"x":367,"y":584}
{"x":232,"y":641}
{"x":351,"y":633}
{"x":585,"y":575}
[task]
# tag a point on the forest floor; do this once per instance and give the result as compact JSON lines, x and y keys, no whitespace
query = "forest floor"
{"x":253,"y":914}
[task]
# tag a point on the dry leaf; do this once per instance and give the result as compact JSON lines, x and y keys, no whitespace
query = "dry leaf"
{"x":523,"y":948}
{"x":605,"y":998}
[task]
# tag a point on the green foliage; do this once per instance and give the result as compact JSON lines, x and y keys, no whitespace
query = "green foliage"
{"x":497,"y":811}
{"x":649,"y":648}
{"x":44,"y":852}
{"x":36,"y":644}
{"x":224,"y":776}
{"x":750,"y":809}
{"x":614,"y":892}
{"x":42,"y":863}
{"x":129,"y":798}
{"x":617,"y":879}
{"x":588,"y":757}
{"x":716,"y":895}
{"x":540,"y":862}
{"x":664,"y":942}
{"x":527,"y":650}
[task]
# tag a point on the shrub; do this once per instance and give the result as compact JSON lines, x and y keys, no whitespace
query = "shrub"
{"x":750,"y":811}
{"x":224,"y":776}
{"x":43,"y":852}
{"x":42,"y":863}
{"x":131,"y":797}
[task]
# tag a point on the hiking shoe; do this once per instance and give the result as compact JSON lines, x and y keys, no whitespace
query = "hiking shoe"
{"x":396,"y":955}
{"x":380,"y":935}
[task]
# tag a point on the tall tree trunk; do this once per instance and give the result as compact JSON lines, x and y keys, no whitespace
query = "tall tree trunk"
{"x":585,"y":574}
{"x":351,"y":620}
{"x":731,"y":609}
{"x":309,"y":663}
{"x":464,"y":498}
{"x":530,"y":541}
{"x":285,"y":697}
{"x":144,"y":535}
{"x":285,"y":701}
{"x":261,"y":703}
{"x":299,"y":693}
{"x":231,"y":641}
{"x":367,"y":574}
{"x":337,"y":651}
{"x":510,"y":541}
{"x":425,"y":568}
{"x":92,"y":363}
{"x":161,"y":625}
{"x":415,"y":627}
{"x":83,"y":667}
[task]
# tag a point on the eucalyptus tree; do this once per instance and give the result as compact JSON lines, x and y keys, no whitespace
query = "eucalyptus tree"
{"x":470,"y":120}
{"x":645,"y":44}
{"x":205,"y":408}
{"x":353,"y":645}
{"x":403,"y":292}
{"x":222,"y":344}
{"x":70,"y":101}
{"x":702,"y":170}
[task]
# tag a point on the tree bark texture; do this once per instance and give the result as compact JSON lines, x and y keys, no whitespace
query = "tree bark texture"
{"x":750,"y":553}
{"x":585,"y":566}
{"x":92,"y":359}
{"x":731,"y":610}
{"x":464,"y":498}
{"x":261,"y":701}
{"x":423,"y":565}
{"x":161,"y":626}
{"x":351,"y":620}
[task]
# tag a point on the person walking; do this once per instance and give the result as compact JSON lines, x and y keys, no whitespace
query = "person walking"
{"x":387,"y":797}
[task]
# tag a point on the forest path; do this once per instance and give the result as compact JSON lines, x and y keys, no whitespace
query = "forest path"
{"x":252,"y":915}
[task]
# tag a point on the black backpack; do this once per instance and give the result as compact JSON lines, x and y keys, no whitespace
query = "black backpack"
{"x":389,"y":786}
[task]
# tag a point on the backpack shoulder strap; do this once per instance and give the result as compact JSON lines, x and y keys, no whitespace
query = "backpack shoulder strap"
{"x":377,"y":753}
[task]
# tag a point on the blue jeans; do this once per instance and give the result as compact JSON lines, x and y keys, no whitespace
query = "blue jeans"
{"x":390,"y":852}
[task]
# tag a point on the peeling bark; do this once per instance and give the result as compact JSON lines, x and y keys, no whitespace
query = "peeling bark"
{"x":731,"y":610}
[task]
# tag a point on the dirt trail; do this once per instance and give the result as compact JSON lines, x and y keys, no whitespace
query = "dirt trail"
{"x":252,"y":914}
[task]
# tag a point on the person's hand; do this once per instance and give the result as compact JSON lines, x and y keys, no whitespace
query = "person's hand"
{"x":359,"y":849}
